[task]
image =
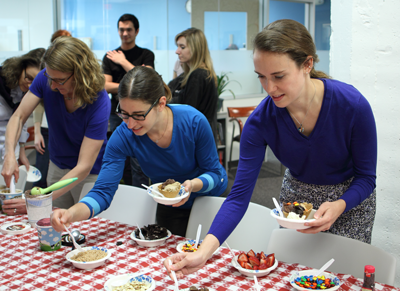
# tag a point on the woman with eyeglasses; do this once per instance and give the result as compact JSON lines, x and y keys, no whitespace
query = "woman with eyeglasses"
{"x":16,"y":75}
{"x":77,"y":109}
{"x":169,"y":141}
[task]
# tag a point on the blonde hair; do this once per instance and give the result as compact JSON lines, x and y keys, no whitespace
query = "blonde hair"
{"x":145,"y":84}
{"x":13,"y":67}
{"x":292,"y":38}
{"x":71,"y":55}
{"x":200,"y":55}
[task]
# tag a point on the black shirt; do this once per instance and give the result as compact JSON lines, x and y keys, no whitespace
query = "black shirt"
{"x":137,"y":56}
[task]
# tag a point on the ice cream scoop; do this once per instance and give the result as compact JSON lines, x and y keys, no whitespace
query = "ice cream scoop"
{"x":55,"y":186}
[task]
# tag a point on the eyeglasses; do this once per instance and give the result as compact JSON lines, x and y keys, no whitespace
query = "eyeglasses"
{"x":28,"y":79}
{"x":135,"y":116}
{"x":58,"y":81}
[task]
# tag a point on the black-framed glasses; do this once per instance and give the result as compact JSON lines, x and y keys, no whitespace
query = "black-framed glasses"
{"x":135,"y":116}
{"x":58,"y":81}
{"x":28,"y":79}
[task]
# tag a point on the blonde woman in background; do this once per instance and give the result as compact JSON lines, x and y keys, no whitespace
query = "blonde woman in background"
{"x":77,"y":108}
{"x":197,"y":86}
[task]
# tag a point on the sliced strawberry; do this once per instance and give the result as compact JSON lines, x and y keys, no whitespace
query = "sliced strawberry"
{"x":248,"y":266}
{"x":263,"y":261}
{"x":271,"y":259}
{"x":255,"y":267}
{"x":262,"y":256}
{"x":254,"y":261}
{"x":243,"y":258}
{"x":251,"y":253}
{"x":262,"y":267}
{"x":243,"y":264}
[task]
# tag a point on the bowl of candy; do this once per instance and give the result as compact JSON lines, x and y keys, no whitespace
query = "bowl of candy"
{"x":189,"y":247}
{"x":154,"y":234}
{"x":90,"y":258}
{"x":294,"y":215}
{"x":130,"y":282}
{"x":305,"y":280}
{"x":251,"y":264}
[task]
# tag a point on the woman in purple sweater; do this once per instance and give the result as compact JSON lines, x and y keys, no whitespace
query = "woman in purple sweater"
{"x":322,"y":130}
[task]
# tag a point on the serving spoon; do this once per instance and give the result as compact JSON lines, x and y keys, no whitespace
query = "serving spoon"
{"x":153,"y":190}
{"x":140,"y":232}
{"x":197,"y":236}
{"x":277,"y":206}
{"x":55,"y":186}
{"x":324,"y":267}
{"x":76,"y":245}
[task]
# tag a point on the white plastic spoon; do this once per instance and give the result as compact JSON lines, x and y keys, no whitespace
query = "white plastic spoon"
{"x":153,"y":190}
{"x":197,"y":236}
{"x":174,"y":277}
{"x":277,"y":207}
{"x":258,"y":288}
{"x":78,"y":247}
{"x":324,"y":267}
{"x":12,"y":185}
{"x":140,"y":232}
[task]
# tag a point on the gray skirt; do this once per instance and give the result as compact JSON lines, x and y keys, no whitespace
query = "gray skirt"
{"x":356,"y":223}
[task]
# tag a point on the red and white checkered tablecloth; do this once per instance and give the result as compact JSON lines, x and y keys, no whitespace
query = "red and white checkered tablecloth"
{"x":23,"y":266}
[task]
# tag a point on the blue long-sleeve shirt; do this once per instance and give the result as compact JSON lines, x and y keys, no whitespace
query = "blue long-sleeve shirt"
{"x":191,"y":154}
{"x":343,"y":144}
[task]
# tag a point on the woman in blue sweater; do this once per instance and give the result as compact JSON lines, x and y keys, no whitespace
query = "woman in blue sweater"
{"x":169,"y":141}
{"x":322,"y":130}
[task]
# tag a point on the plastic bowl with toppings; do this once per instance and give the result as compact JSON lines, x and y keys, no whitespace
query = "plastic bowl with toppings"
{"x":299,"y":274}
{"x":91,"y":264}
{"x":109,"y":285}
{"x":251,"y":273}
{"x":180,"y":246}
{"x":150,"y":243}
{"x":292,"y":223}
{"x":167,"y":201}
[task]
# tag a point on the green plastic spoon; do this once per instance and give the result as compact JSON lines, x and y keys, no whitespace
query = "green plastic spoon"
{"x":55,"y":186}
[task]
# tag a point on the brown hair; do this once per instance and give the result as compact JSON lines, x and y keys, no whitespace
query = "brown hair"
{"x":71,"y":55}
{"x":145,"y":84}
{"x":197,"y":43}
{"x":58,"y":33}
{"x":13,"y":67}
{"x":289,"y":37}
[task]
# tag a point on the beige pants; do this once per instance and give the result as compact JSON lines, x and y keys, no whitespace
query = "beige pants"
{"x":72,"y":196}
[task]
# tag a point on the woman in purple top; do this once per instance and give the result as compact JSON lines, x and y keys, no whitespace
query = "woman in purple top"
{"x":77,"y":110}
{"x":322,"y":130}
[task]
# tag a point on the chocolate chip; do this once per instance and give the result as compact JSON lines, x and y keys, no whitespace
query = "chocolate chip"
{"x":119,"y":243}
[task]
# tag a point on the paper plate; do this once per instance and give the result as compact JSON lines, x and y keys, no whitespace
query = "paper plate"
{"x":34,"y":174}
{"x":15,"y":228}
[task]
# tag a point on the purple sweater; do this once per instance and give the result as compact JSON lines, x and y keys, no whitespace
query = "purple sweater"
{"x":342,"y":145}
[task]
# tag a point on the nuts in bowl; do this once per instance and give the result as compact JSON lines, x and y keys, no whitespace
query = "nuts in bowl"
{"x":251,"y":264}
{"x":91,"y":258}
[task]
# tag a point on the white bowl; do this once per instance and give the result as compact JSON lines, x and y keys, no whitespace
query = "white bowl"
{"x":92,"y":264}
{"x":298,"y":274}
{"x":292,"y":223}
{"x":251,"y":273}
{"x":150,"y":243}
{"x":191,"y":241}
{"x":108,"y":285}
{"x":33,"y":175}
{"x":167,"y":201}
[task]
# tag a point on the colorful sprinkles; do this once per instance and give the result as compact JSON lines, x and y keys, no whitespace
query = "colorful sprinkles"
{"x":317,"y":283}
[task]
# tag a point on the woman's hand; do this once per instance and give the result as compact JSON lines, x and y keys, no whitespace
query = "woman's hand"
{"x":59,"y":218}
{"x":325,"y":216}
{"x":184,"y":263}
{"x":188,"y":188}
{"x":14,"y":206}
{"x":10,"y":168}
{"x":39,"y":143}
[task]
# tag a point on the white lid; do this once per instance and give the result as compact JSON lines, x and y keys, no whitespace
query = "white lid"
{"x":15,"y":228}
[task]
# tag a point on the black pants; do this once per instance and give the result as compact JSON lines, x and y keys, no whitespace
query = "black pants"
{"x":173,"y":218}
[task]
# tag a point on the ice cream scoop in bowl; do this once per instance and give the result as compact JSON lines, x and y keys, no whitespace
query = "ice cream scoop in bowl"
{"x":55,"y":186}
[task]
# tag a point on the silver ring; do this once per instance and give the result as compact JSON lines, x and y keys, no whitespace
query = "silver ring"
{"x":15,"y":210}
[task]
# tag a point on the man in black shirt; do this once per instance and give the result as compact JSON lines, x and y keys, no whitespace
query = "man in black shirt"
{"x":121,"y":60}
{"x":115,"y":65}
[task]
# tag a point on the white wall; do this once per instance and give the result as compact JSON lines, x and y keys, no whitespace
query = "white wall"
{"x":365,"y":52}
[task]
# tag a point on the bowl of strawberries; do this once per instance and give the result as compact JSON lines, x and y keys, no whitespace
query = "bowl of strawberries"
{"x":251,"y":264}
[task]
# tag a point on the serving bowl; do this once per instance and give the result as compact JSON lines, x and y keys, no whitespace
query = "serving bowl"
{"x":91,"y":264}
{"x":191,"y":241}
{"x":108,"y":286}
{"x":150,"y":243}
{"x":167,"y":201}
{"x":300,"y":274}
{"x":252,"y":273}
{"x":292,"y":223}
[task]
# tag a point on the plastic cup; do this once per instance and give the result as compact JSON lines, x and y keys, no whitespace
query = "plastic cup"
{"x":6,"y":195}
{"x":49,"y":239}
{"x":38,"y":206}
